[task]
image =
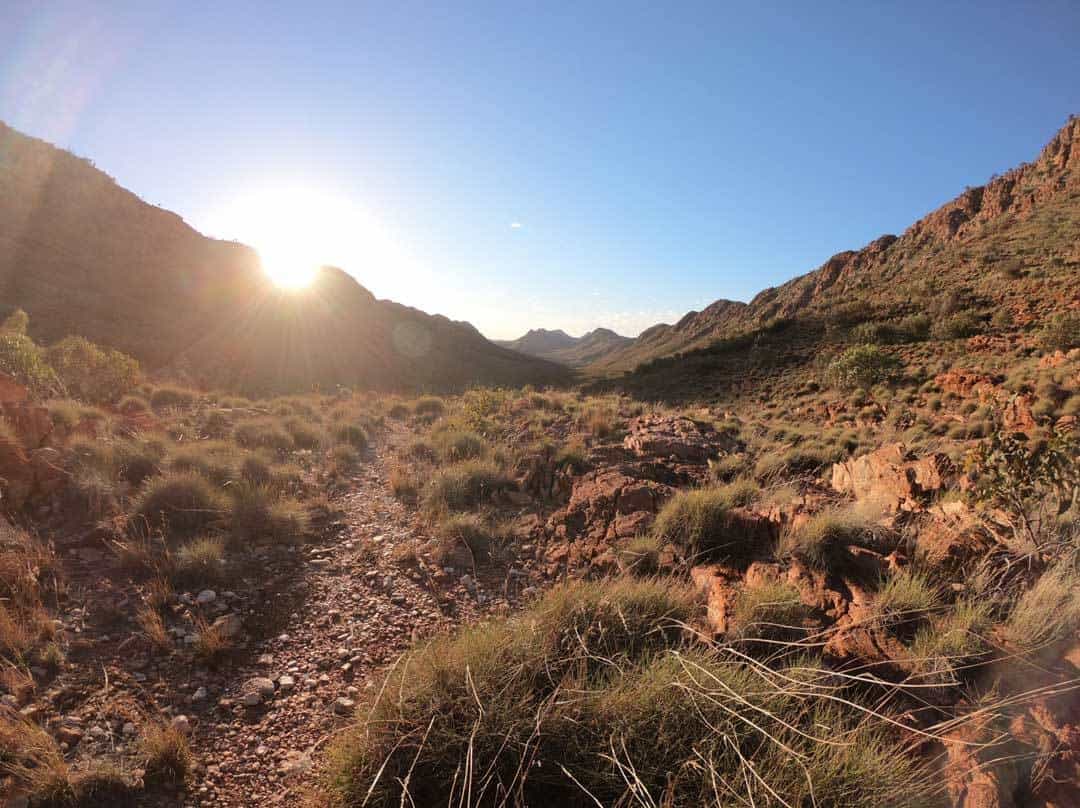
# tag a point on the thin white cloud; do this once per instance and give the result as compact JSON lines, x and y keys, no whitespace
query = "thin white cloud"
{"x":515,"y":225}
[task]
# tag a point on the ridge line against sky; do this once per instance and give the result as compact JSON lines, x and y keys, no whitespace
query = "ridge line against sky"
{"x":613,"y":166}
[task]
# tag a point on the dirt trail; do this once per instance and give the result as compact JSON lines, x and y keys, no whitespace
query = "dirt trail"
{"x":352,"y":612}
{"x":318,"y":625}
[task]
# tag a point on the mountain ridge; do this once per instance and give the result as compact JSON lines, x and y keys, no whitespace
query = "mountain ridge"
{"x":558,"y":346}
{"x":83,"y":255}
{"x":1007,"y":200}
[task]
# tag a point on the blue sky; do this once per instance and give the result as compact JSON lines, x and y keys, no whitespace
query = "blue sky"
{"x":656,"y":156}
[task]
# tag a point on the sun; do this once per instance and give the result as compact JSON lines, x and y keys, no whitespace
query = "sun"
{"x":298,"y":227}
{"x":287,"y":267}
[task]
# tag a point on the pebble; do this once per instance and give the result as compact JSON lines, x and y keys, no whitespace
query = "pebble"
{"x":343,"y":705}
{"x":181,"y":724}
{"x":206,"y":597}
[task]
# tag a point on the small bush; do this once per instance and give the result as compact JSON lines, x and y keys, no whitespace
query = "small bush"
{"x":255,"y":470}
{"x":773,"y":466}
{"x":952,"y":641}
{"x":304,"y":436}
{"x":212,"y":643}
{"x":862,"y":366}
{"x":153,"y":628}
{"x":135,"y":462}
{"x":263,"y":434}
{"x":215,"y":460}
{"x":465,"y":485}
{"x":594,"y":680}
{"x":599,"y":420}
{"x":571,"y":456}
{"x":91,"y":372}
{"x":958,"y":326}
{"x":182,"y":504}
{"x":345,"y":457}
{"x":1062,"y":333}
{"x":25,"y":362}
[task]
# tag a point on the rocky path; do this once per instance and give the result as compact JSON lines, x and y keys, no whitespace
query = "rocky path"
{"x":351,"y":612}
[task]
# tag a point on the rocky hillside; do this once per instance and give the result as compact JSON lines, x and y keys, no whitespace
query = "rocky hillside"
{"x":558,"y":346}
{"x":1011,"y":244}
{"x":81,"y":255}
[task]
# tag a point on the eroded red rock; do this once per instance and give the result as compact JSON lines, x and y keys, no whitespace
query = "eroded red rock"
{"x":891,"y":477}
{"x":678,"y":437}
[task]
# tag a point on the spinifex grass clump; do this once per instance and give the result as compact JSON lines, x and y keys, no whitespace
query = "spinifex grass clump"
{"x":703,"y":522}
{"x":465,"y":485}
{"x":596,"y":695}
{"x":183,"y":504}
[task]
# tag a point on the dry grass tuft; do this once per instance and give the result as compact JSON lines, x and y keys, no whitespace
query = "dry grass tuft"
{"x":168,"y":754}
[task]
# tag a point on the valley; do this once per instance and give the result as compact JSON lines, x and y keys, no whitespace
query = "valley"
{"x":314,"y":548}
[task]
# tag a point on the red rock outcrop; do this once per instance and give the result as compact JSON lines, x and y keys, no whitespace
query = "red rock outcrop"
{"x":891,"y":477}
{"x":677,"y":437}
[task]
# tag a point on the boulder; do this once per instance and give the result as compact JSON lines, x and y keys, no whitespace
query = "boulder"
{"x":891,"y":477}
{"x":716,"y":583}
{"x":979,"y":776}
{"x":677,"y":437}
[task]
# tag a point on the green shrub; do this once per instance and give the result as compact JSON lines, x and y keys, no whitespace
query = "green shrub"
{"x":257,"y":513}
{"x":181,"y":504}
{"x":906,"y":596}
{"x":1062,"y":333}
{"x":641,"y":555}
{"x":215,"y":460}
{"x":15,"y":323}
{"x":571,"y":456}
{"x":958,"y":326}
{"x":862,"y":366}
{"x":21,"y":359}
{"x":135,"y":462}
{"x":216,"y":424}
{"x":792,"y":463}
{"x":91,"y":372}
